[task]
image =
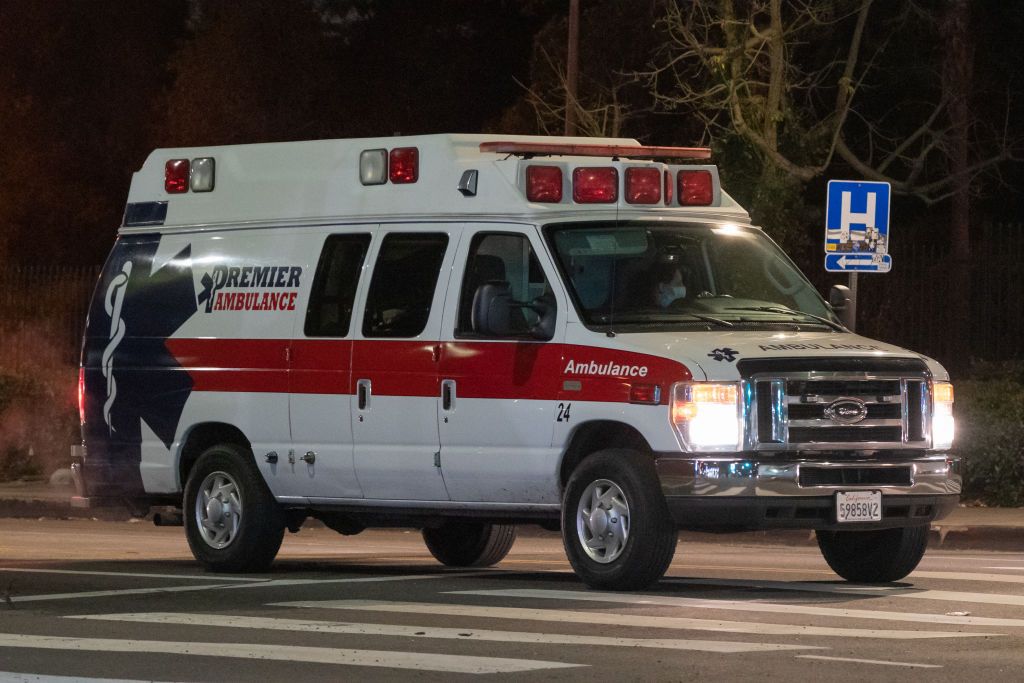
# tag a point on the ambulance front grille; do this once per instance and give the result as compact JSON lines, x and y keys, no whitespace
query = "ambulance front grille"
{"x":823,"y":411}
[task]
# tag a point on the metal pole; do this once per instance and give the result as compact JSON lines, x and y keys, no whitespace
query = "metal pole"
{"x":853,"y":301}
{"x":572,"y":67}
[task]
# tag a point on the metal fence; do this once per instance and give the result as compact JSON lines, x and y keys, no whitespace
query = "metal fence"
{"x":42,"y":314}
{"x":43,"y":309}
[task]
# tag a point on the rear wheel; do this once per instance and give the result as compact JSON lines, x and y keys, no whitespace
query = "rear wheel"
{"x":616,"y":527}
{"x":470,"y":544}
{"x":877,"y":556}
{"x":232,"y":522}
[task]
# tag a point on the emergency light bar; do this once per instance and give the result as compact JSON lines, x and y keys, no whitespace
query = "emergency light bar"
{"x":529,"y":149}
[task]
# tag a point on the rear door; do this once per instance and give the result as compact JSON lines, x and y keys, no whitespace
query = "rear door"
{"x":395,"y":357}
{"x":321,"y":367}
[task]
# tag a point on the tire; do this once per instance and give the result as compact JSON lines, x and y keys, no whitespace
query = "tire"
{"x":470,"y":544}
{"x":630,"y":543}
{"x":878,"y":556}
{"x":244,"y":532}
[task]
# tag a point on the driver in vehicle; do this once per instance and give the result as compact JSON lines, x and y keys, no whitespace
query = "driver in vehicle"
{"x":669,"y":287}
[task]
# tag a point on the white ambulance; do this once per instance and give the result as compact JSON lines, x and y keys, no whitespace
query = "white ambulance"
{"x":462,"y":333}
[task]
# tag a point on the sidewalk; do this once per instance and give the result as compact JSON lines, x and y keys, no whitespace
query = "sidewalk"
{"x":974,"y":528}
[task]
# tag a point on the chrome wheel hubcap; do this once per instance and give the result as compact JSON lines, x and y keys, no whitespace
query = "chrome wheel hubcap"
{"x":602,"y":521}
{"x":218,"y":509}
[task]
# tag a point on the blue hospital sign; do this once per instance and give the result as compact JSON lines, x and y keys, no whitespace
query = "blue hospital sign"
{"x":857,"y":226}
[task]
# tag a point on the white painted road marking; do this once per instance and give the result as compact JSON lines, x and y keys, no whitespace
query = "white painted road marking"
{"x":13,"y":677}
{"x":629,"y":620}
{"x":744,"y":606}
{"x":971,"y":576}
{"x":846,"y":589}
{"x":870,"y":661}
{"x":273,"y":583}
{"x":139,"y":575}
{"x":315,"y":626}
{"x":419,"y":661}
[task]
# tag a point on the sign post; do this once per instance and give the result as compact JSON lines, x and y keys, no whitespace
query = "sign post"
{"x":857,"y":230}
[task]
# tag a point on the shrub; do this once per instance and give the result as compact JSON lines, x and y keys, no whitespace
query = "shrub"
{"x":990,"y":433}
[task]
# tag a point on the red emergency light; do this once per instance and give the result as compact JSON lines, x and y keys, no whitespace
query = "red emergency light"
{"x":643,"y":185}
{"x":696,"y":188}
{"x":530,"y":149}
{"x":176,"y":176}
{"x":544,"y":184}
{"x":595,"y":185}
{"x":404,"y":165}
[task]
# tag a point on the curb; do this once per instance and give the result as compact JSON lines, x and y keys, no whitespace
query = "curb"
{"x":944,"y":536}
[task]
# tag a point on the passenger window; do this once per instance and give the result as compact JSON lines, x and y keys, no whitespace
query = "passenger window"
{"x":334,"y":287}
{"x":507,"y":258}
{"x":402,"y":288}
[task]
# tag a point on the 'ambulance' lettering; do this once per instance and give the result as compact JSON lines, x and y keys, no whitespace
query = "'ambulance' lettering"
{"x":608,"y":369}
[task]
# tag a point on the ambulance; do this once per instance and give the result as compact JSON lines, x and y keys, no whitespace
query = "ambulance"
{"x":466,"y":333}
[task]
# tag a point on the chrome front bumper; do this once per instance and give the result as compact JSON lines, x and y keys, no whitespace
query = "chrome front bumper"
{"x":735,"y":493}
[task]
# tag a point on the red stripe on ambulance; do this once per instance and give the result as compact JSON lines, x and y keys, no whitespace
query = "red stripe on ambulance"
{"x":484,"y":370}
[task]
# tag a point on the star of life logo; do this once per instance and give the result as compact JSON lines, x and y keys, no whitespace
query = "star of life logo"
{"x":250,"y":288}
{"x":113,"y":302}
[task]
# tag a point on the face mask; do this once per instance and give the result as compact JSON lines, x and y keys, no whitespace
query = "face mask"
{"x":667,"y":294}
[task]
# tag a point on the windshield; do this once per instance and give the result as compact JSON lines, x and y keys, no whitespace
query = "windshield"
{"x":671,"y":275}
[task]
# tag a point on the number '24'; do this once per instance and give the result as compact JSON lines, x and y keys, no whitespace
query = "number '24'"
{"x":563,"y":412}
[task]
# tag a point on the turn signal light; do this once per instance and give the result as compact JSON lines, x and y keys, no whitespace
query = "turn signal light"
{"x":544,"y":184}
{"x":645,"y":393}
{"x":668,"y":189}
{"x":643,"y":185}
{"x":595,"y":185}
{"x":696,"y":188}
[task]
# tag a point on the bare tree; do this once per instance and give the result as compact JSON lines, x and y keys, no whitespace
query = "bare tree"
{"x":756,"y":69}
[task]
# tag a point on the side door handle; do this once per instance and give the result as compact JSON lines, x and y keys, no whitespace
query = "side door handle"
{"x":363,"y":390}
{"x":447,"y":394}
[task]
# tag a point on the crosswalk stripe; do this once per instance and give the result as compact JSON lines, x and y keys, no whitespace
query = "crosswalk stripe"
{"x":420,"y":661}
{"x":625,"y":620}
{"x":745,"y":606}
{"x":854,"y":660}
{"x":137,"y":575}
{"x":272,"y":583}
{"x":13,"y":677}
{"x":972,"y":576}
{"x":846,"y":589}
{"x":315,"y":626}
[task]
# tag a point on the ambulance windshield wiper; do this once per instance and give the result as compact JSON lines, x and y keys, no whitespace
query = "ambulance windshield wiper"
{"x":674,"y":318}
{"x":789,"y":311}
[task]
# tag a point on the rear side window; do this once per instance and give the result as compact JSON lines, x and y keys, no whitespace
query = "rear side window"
{"x":402,"y":288}
{"x":334,"y":287}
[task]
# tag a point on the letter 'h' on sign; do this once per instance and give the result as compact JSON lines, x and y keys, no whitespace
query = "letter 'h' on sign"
{"x":848,"y":217}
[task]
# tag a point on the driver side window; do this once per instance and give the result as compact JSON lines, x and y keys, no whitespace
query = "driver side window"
{"x":505,"y":258}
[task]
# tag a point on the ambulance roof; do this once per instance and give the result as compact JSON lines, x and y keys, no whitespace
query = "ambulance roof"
{"x":320,"y":181}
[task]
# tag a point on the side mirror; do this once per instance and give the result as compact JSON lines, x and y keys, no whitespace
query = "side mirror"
{"x":842,"y":303}
{"x":492,"y":309}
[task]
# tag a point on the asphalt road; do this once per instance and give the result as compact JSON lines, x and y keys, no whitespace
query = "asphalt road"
{"x":116,"y":600}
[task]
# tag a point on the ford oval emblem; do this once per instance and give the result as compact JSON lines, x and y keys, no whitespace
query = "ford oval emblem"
{"x":847,"y":411}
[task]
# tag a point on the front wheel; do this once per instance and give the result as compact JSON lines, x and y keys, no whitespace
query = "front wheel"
{"x":877,"y":556}
{"x":616,"y":527}
{"x":232,"y":522}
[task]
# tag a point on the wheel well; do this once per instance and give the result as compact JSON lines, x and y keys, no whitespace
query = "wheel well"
{"x":204,"y":436}
{"x":597,"y":436}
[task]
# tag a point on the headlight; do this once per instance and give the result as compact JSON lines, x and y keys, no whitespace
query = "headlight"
{"x":708,"y":416}
{"x":942,"y":415}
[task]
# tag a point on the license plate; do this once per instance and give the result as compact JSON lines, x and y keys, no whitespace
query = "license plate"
{"x":858,"y":506}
